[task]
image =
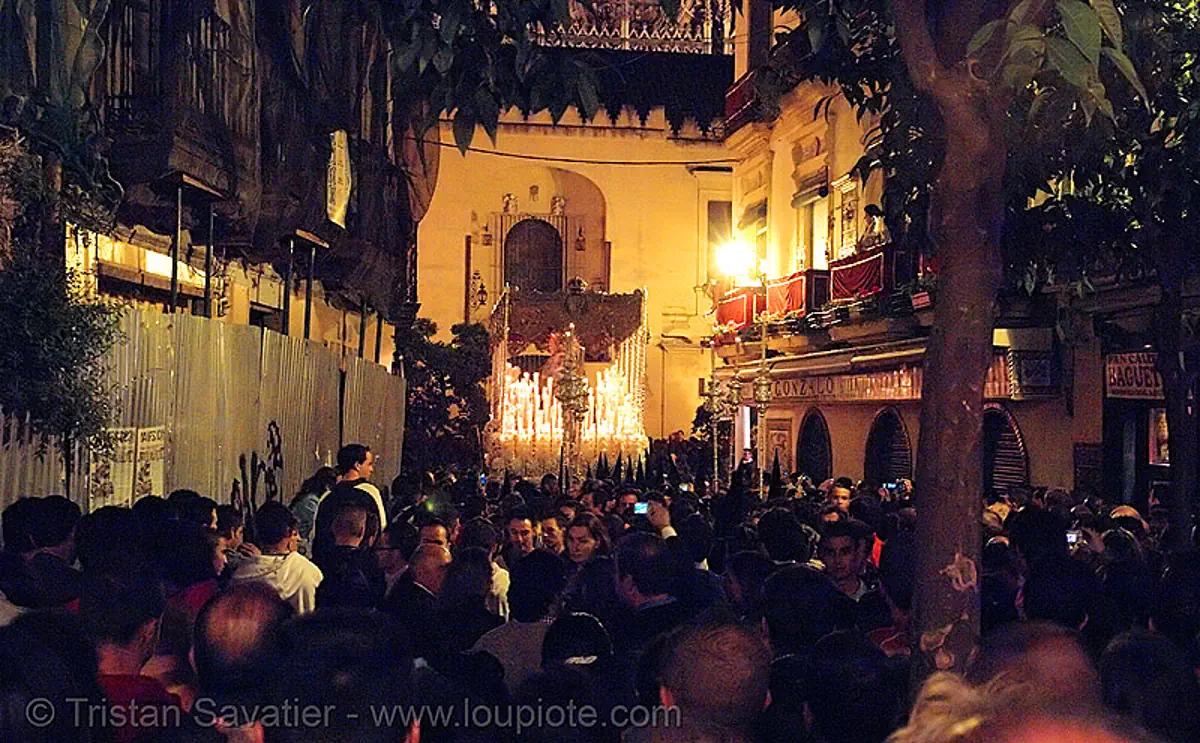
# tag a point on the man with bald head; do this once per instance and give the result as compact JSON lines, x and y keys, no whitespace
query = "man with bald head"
{"x":236,"y":643}
{"x":413,"y":600}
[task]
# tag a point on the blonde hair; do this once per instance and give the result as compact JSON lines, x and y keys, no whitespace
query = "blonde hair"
{"x":950,"y":710}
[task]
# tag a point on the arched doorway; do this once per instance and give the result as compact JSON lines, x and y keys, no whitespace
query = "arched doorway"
{"x":889,"y":453}
{"x":1005,"y":461}
{"x":533,"y":256}
{"x":814,"y":452}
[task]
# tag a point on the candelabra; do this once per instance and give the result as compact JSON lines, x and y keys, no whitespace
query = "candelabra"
{"x":572,"y":394}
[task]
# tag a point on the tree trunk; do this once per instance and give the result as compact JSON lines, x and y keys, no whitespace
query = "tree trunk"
{"x":1179,"y":390}
{"x":966,"y":212}
{"x":966,"y":218}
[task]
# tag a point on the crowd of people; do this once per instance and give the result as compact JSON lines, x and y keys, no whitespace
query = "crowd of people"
{"x":466,"y":609}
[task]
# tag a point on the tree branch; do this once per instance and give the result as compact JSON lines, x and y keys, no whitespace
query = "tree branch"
{"x":916,"y":44}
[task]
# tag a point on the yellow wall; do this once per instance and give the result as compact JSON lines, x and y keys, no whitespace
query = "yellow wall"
{"x":655,"y":218}
{"x":1041,"y":424}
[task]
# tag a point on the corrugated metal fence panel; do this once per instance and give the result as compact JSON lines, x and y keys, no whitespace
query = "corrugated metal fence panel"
{"x":24,"y":470}
{"x":222,"y":392}
{"x":300,"y":397}
{"x":239,"y":366}
{"x":373,"y":414}
{"x":192,"y":440}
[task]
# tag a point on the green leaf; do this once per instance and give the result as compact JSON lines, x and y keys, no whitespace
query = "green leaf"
{"x":1065,"y":57}
{"x":1026,"y":46}
{"x":450,"y":22}
{"x":1110,"y":20}
{"x":1018,"y":76}
{"x":1082,"y":27}
{"x":816,"y":34}
{"x":406,"y":57}
{"x":444,"y":59}
{"x":1123,"y":63}
{"x":1020,"y":12}
{"x":464,"y":128}
{"x":487,"y":111}
{"x":589,"y":101}
{"x":983,"y":36}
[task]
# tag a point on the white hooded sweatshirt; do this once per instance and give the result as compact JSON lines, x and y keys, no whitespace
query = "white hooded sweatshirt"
{"x":294,"y":576}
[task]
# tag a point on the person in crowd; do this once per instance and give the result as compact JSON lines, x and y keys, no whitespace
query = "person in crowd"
{"x":783,"y":537}
{"x":107,"y":542}
{"x":537,"y":581}
{"x":351,"y":577}
{"x":1048,"y":657}
{"x":480,"y":533}
{"x":355,"y":466}
{"x":897,"y":574}
{"x":856,"y":692}
{"x":1150,"y":680}
{"x":352,"y":663}
{"x":433,"y":530}
{"x":521,"y":527}
{"x":307,"y":501}
{"x":345,"y":493}
{"x":843,"y":551}
{"x":47,"y":572}
{"x":840,"y":494}
{"x":231,"y":529}
{"x":950,"y":709}
{"x":716,"y":676}
{"x":47,"y":659}
{"x":199,"y":510}
{"x":237,"y":641}
{"x":393,"y":552}
{"x":745,"y":574}
{"x":800,"y":606}
{"x":586,"y":537}
{"x":462,"y":613}
{"x":280,"y":565}
{"x":648,"y":582}
{"x":413,"y":599}
{"x":122,"y":615}
{"x":553,"y":525}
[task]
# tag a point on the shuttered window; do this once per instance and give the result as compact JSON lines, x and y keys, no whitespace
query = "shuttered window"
{"x":1005,"y":460}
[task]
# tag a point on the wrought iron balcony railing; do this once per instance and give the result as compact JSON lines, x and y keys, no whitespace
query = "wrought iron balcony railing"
{"x":700,"y":27}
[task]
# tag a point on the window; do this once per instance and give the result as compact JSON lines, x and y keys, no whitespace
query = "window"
{"x":720,"y":230}
{"x":1160,"y":453}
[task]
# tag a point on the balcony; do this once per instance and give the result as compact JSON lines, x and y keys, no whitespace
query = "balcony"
{"x":178,"y":97}
{"x":741,"y":103}
{"x":700,"y":27}
{"x":864,"y":297}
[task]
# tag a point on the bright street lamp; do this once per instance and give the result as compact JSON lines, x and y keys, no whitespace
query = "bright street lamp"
{"x":735,"y":259}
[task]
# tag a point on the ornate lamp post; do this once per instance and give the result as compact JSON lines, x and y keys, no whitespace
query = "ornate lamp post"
{"x":762,"y":400}
{"x":716,"y":407}
{"x":733,"y":402}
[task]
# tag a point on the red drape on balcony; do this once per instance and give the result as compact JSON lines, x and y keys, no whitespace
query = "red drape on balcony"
{"x":857,"y":276}
{"x":739,"y":307}
{"x":786,"y":295}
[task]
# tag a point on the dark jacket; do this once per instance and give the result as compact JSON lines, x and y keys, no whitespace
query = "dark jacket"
{"x":351,"y":579}
{"x":415,"y":608}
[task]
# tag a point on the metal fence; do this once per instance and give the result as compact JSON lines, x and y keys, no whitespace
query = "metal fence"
{"x":216,"y":395}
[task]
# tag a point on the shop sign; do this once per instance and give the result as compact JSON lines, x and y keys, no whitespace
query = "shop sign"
{"x":893,"y":385}
{"x":338,"y":179}
{"x":1133,"y":376}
